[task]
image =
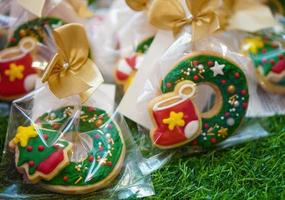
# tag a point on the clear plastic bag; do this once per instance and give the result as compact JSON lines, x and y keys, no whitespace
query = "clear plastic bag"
{"x":70,"y":144}
{"x":101,"y":145}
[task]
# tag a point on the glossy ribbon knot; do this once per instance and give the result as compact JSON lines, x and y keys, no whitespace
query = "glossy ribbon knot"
{"x":170,"y":15}
{"x":71,"y":72}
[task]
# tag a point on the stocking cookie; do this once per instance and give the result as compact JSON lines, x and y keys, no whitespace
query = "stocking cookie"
{"x":34,"y":28}
{"x":176,"y":118}
{"x":17,"y":77}
{"x":128,"y":66}
{"x":269,"y":60}
{"x":36,"y":160}
{"x":175,"y":114}
{"x":97,"y":148}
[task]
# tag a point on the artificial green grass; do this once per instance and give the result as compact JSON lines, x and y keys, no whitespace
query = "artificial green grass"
{"x":254,"y":170}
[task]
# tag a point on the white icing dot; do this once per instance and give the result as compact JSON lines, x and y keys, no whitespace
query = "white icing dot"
{"x":100,"y":143}
{"x":230,"y":121}
{"x":236,"y":103}
{"x":200,"y":66}
{"x":108,"y":135}
{"x":205,"y":138}
{"x":194,"y":69}
{"x":233,"y":109}
{"x":222,"y":117}
{"x":237,"y":114}
{"x":203,"y":133}
{"x":242,"y":98}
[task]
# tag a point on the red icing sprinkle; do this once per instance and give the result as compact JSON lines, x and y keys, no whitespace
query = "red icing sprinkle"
{"x":168,"y":85}
{"x":65,"y":178}
{"x":41,"y":147}
{"x":29,"y":148}
{"x":244,"y":105}
{"x":264,"y":51}
{"x":272,"y":62}
{"x":45,"y":136}
{"x":49,"y":164}
{"x":31,"y":163}
{"x":196,"y":77}
{"x":91,"y":158}
{"x":206,"y":125}
{"x":109,"y":163}
{"x":101,"y":148}
{"x":131,"y":61}
{"x":243,"y":92}
{"x":56,"y":126}
{"x":210,"y":63}
{"x":227,"y":114}
{"x":97,"y":136}
{"x":213,"y":140}
{"x":195,"y":142}
{"x":109,"y":126}
{"x":223,"y":82}
{"x":237,"y":75}
{"x":195,"y":63}
{"x":90,"y":109}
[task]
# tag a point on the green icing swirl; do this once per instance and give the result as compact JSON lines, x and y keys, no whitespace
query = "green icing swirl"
{"x":106,"y":132}
{"x":229,"y":112}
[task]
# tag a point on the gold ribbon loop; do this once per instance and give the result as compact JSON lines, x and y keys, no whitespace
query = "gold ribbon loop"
{"x":71,"y":72}
{"x":137,"y":5}
{"x":170,"y":15}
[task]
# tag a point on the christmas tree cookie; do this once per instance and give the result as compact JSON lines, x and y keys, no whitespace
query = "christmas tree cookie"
{"x":268,"y":57}
{"x":36,"y":160}
{"x":97,"y":149}
{"x":128,"y":66}
{"x":176,"y":118}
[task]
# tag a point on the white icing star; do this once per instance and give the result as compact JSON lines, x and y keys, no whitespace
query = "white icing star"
{"x":217,"y":69}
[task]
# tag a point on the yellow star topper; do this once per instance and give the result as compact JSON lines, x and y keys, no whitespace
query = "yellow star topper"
{"x":24,"y":134}
{"x":15,"y":72}
{"x":251,"y":45}
{"x":175,"y":119}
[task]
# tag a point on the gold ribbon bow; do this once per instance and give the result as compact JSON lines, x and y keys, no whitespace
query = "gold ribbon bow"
{"x":137,"y":5}
{"x":71,"y":72}
{"x":170,"y":15}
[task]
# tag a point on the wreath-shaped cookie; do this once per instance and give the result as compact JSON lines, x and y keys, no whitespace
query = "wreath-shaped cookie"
{"x":176,"y":118}
{"x":76,"y":163}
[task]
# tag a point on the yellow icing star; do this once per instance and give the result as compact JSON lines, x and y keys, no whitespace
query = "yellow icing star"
{"x":251,"y":45}
{"x":15,"y":72}
{"x":24,"y":134}
{"x":175,"y":119}
{"x":223,"y":132}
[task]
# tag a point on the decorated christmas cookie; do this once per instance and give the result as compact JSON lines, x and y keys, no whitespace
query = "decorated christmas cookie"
{"x":95,"y":150}
{"x":34,"y":28}
{"x":176,"y":118}
{"x":269,"y":61}
{"x":17,"y":77}
{"x":128,"y":66}
{"x":36,"y":160}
